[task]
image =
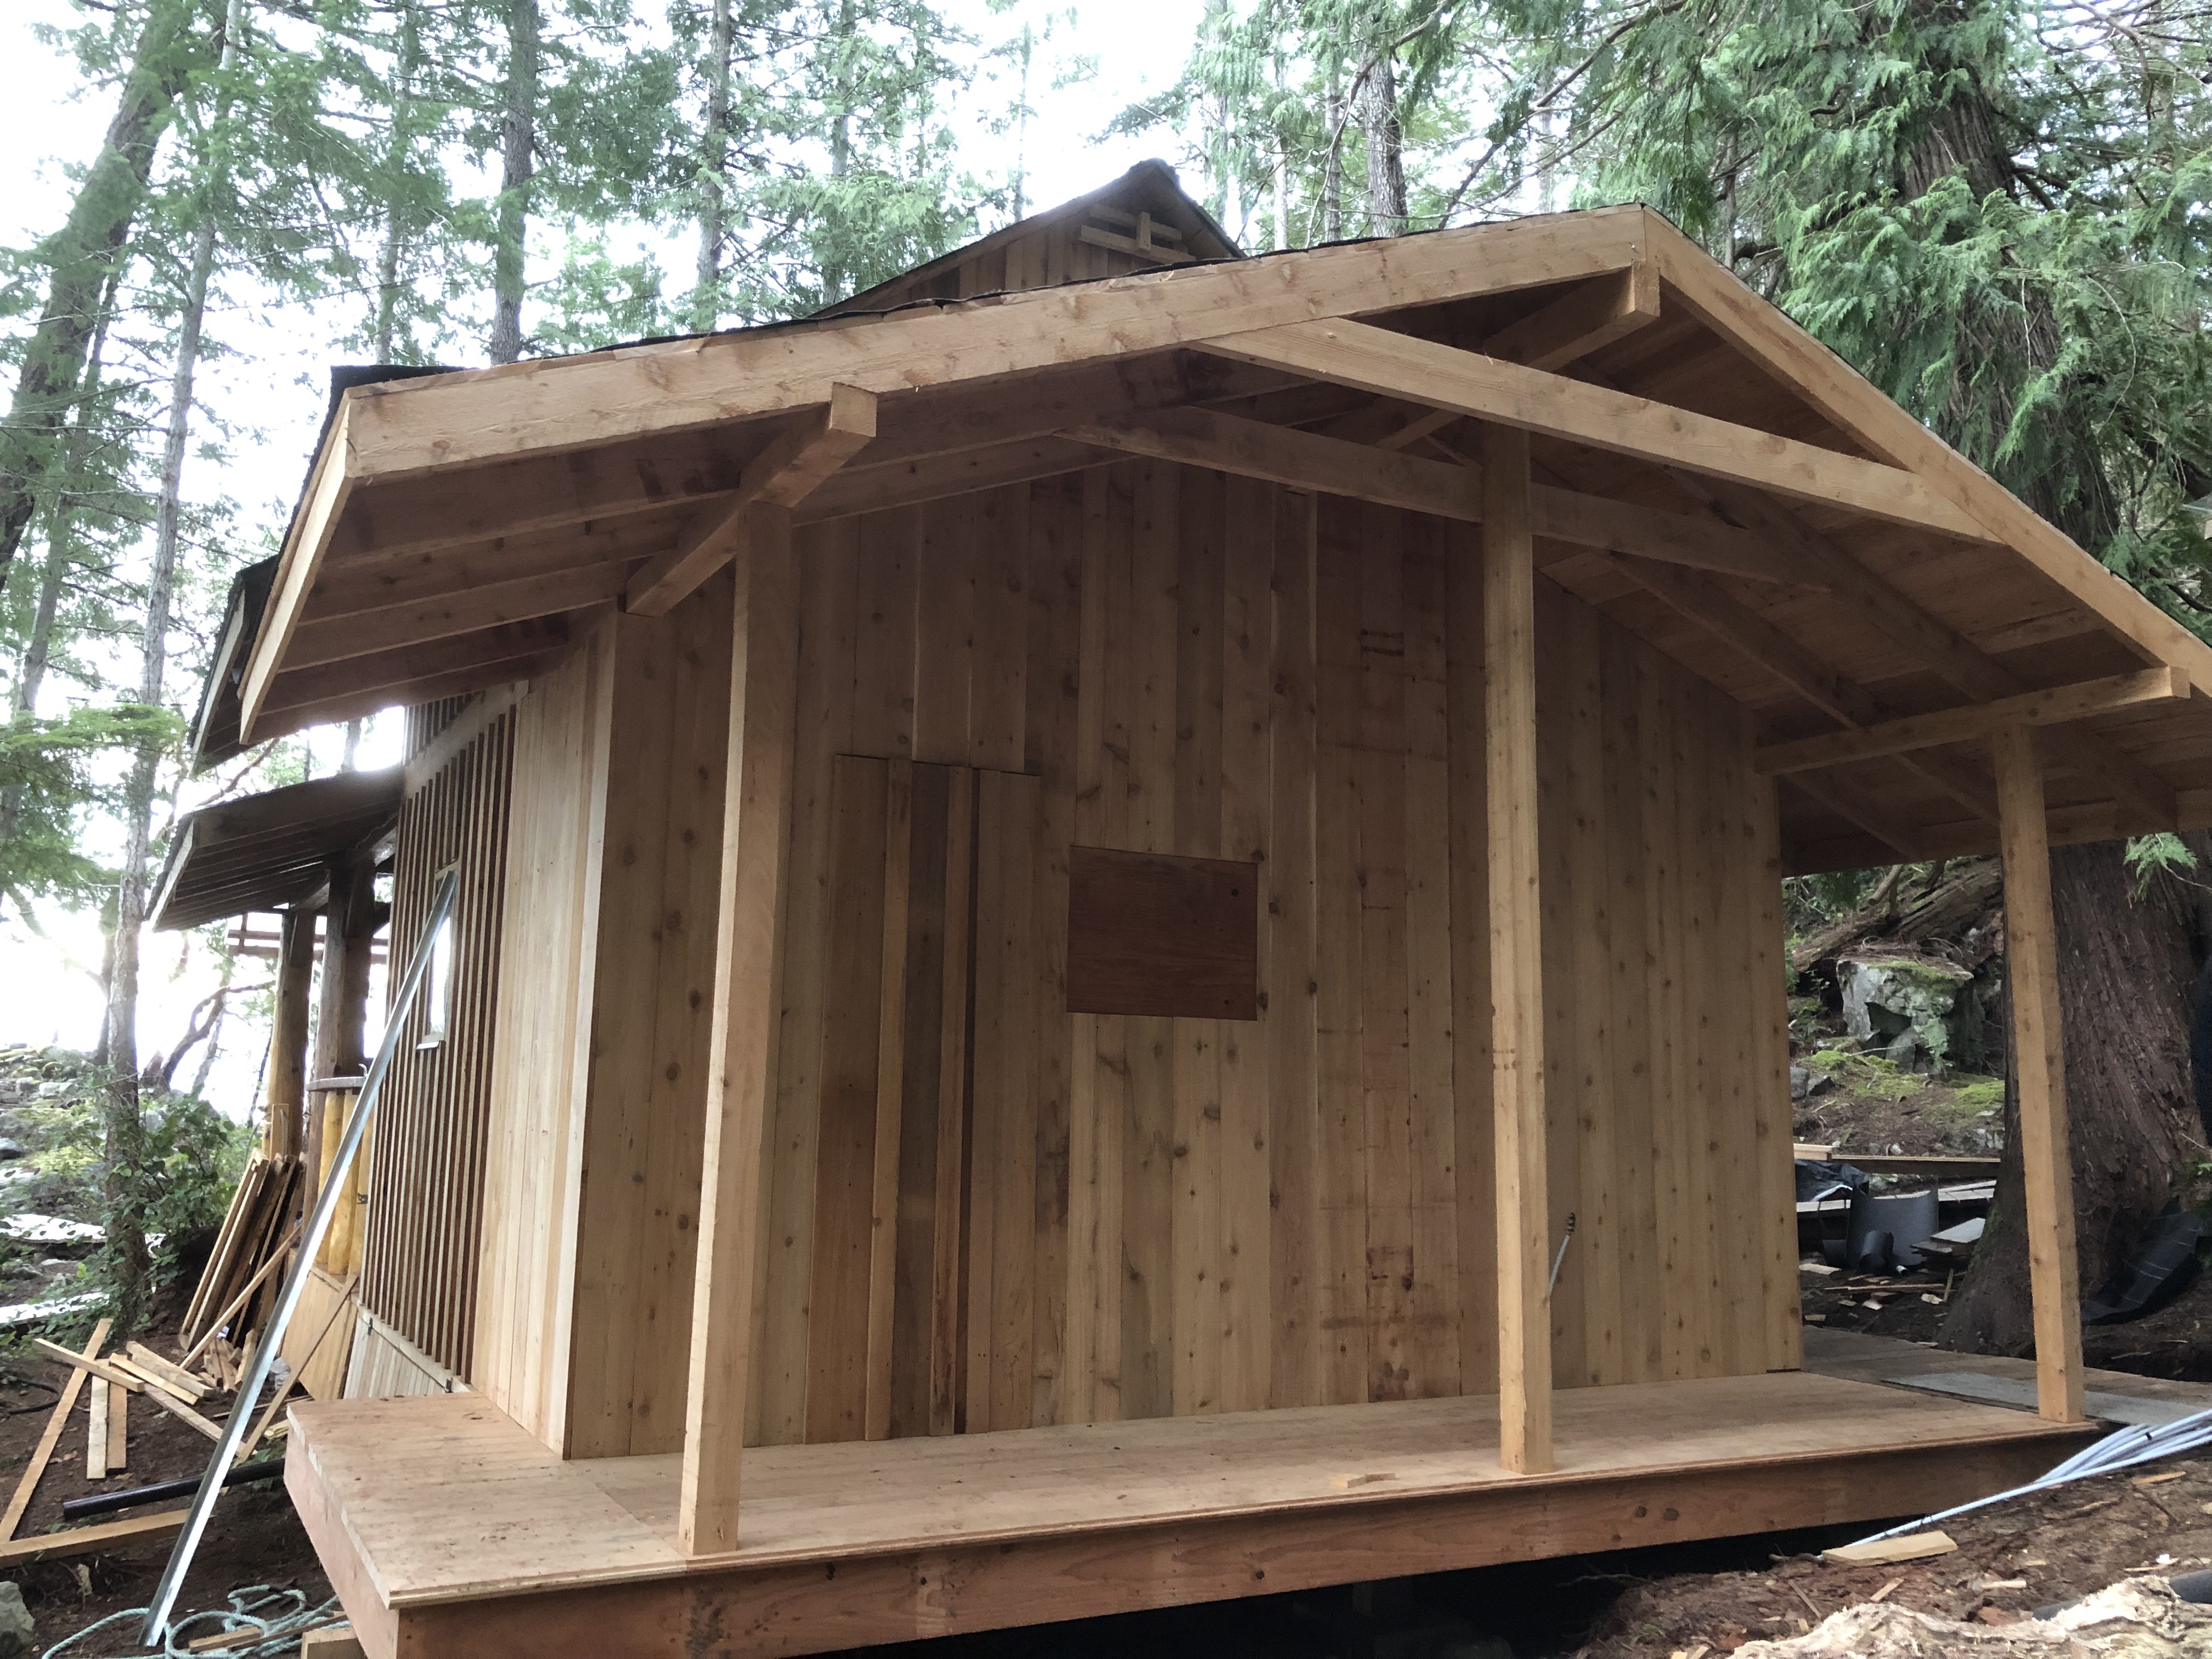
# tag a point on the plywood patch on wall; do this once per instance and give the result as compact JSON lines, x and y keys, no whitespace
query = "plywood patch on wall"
{"x":1153,"y":934}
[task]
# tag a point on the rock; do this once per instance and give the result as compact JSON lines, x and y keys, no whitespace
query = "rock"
{"x":19,"y":1636}
{"x":1805,"y":1082}
{"x":2139,"y":1619}
{"x":11,"y":1150}
{"x":1915,"y":1010}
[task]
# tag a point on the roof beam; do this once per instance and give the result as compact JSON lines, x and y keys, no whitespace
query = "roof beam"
{"x":1859,"y":409}
{"x":1332,"y":466}
{"x":366,"y":633}
{"x":1699,"y":599}
{"x":797,"y":459}
{"x":1399,"y":366}
{"x":445,"y":421}
{"x":1595,"y":314}
{"x":1948,"y":654}
{"x":1976,"y":721}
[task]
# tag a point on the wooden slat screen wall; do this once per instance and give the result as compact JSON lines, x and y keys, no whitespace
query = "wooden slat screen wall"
{"x":1192,"y":1215}
{"x":427,"y":1171}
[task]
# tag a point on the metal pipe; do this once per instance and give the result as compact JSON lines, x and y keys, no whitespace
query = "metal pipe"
{"x":319,"y":1224}
{"x":106,"y":1502}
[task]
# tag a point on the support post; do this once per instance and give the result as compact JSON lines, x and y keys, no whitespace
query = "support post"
{"x":287,"y":1035}
{"x":2039,"y":1065}
{"x":742,"y":1060}
{"x":342,"y":1014}
{"x":1516,"y":963}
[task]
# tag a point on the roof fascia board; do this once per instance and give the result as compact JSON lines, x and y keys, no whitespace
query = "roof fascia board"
{"x":471,"y":417}
{"x":335,"y":477}
{"x":1860,"y":409}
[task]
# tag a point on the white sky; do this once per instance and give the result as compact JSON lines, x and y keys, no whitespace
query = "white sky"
{"x":273,"y":386}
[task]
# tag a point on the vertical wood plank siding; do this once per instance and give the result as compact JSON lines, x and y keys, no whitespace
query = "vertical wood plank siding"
{"x":426,"y":1157}
{"x":980,"y":1211}
{"x":1183,"y":1216}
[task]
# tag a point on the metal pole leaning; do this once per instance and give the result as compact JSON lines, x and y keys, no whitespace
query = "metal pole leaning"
{"x":318,"y":1222}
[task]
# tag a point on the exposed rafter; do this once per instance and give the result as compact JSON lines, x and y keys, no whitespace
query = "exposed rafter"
{"x":1306,"y":460}
{"x":1945,"y":652}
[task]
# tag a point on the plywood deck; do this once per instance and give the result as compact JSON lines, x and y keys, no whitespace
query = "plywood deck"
{"x":449,"y":1530}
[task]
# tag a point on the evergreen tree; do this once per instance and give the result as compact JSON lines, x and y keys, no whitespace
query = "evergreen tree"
{"x":169,"y":40}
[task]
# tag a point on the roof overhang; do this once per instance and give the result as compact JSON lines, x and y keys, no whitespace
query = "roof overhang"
{"x":273,"y":850}
{"x":1709,"y":474}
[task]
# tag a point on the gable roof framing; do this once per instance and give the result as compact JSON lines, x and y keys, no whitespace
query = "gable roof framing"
{"x":1705,"y":471}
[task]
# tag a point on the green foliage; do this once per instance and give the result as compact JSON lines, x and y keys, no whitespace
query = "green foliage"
{"x":1999,"y":214}
{"x":1980,"y":1094}
{"x":1874,"y":1075}
{"x":2149,"y":857}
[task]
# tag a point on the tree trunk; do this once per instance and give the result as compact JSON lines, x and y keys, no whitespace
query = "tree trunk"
{"x":1331,"y":162}
{"x":518,"y":130}
{"x":83,"y":254}
{"x":1385,"y":143}
{"x":125,"y":1123}
{"x":2127,"y":974}
{"x":397,"y":225}
{"x":713,"y":168}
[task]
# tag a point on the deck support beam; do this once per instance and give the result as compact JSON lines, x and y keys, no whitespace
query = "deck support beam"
{"x":748,"y":997}
{"x":1517,"y":959}
{"x":2039,"y":1065}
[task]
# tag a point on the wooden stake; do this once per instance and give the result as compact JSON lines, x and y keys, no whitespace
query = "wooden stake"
{"x":1516,"y":964}
{"x":119,"y":1430}
{"x":47,"y":1441}
{"x":748,"y":999}
{"x":2039,"y":1060}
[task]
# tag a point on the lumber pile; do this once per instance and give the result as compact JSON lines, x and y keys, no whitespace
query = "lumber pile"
{"x":239,"y":1288}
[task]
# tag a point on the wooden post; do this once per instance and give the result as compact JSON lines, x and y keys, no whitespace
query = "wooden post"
{"x":287,"y":1035}
{"x":1517,"y":962}
{"x":748,"y":995}
{"x":341,"y":1015}
{"x":2039,"y":1063}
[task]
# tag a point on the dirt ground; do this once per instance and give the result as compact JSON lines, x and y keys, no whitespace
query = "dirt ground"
{"x":255,"y":1538}
{"x":2032,"y":1552}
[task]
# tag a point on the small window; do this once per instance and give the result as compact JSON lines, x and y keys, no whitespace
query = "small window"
{"x":438,"y":993}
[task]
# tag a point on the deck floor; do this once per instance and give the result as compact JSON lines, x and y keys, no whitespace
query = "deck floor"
{"x":444,"y":1499}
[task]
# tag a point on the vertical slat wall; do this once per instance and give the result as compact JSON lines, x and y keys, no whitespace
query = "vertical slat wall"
{"x":427,"y":1159}
{"x":1197,"y":1215}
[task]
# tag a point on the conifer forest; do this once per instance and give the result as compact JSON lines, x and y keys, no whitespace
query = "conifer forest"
{"x":1999,"y":210}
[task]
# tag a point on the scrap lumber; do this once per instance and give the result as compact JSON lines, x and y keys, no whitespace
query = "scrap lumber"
{"x":95,"y":1435}
{"x":87,"y":1362}
{"x":260,"y":1277}
{"x":1882,"y":1551}
{"x":82,"y":1540}
{"x":50,"y":1438}
{"x":134,"y":1383}
{"x":119,"y":1430}
{"x":145,"y":1359}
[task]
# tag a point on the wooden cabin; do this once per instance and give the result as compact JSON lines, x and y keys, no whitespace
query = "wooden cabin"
{"x":1121,"y":943}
